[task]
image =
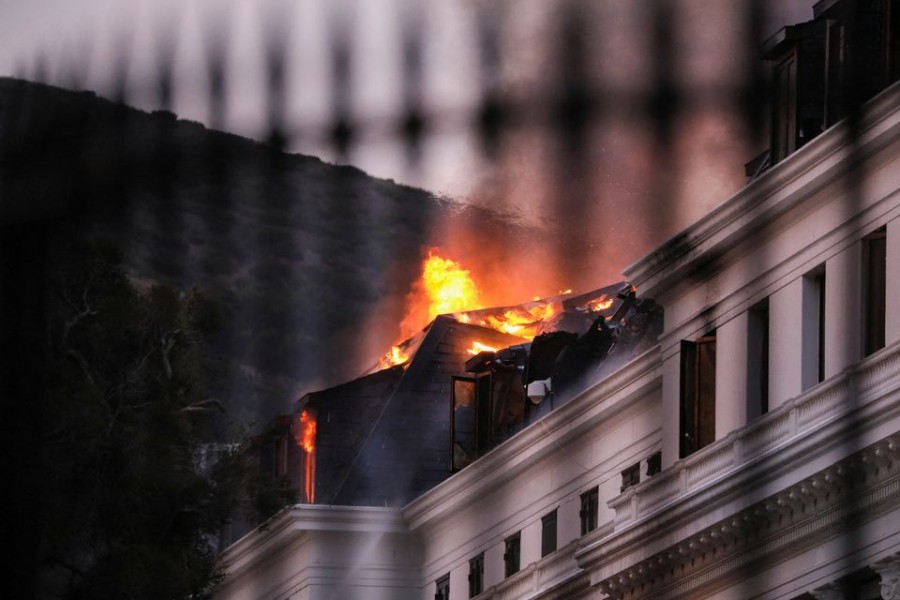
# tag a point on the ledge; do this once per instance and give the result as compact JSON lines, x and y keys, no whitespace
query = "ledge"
{"x":601,"y":401}
{"x":793,"y":454}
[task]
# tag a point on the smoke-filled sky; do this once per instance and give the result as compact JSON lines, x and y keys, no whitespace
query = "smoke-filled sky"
{"x":90,"y":42}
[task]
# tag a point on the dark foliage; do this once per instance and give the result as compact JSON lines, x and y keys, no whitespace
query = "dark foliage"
{"x":133,"y":493}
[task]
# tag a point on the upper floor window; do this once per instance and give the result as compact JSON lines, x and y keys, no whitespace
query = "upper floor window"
{"x":590,"y":509}
{"x":874,"y":290}
{"x":758,"y":360}
{"x":513,"y":554}
{"x":476,"y":575}
{"x":631,"y":476}
{"x":698,"y":394}
{"x":442,"y":588}
{"x":548,"y":533}
{"x":813,"y":328}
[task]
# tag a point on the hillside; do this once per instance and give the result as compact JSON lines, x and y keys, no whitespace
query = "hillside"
{"x":310,"y":262}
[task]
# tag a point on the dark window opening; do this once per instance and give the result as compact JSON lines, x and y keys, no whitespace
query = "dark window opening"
{"x":590,"y":507}
{"x":442,"y":588}
{"x":698,"y":394}
{"x":758,"y":360}
{"x":513,"y":555}
{"x":476,"y":575}
{"x":874,"y":290}
{"x":813,"y":325}
{"x":654,"y":463}
{"x":548,"y":533}
{"x":463,"y":423}
{"x":631,"y":476}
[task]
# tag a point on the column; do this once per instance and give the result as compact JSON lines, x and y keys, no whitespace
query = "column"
{"x":786,"y":333}
{"x":731,"y":375}
{"x":843,"y":321}
{"x":892,"y":316}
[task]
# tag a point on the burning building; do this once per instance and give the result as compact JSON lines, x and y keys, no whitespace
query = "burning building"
{"x":459,"y":390}
{"x":748,"y":448}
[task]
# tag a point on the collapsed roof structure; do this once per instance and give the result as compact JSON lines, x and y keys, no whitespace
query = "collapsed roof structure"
{"x":462,"y":388}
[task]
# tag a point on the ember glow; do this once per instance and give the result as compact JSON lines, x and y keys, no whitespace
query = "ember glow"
{"x":522,"y":321}
{"x":478,"y":347}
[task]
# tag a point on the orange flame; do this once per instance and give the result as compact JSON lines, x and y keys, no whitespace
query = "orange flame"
{"x":307,"y":435}
{"x":396,"y":356}
{"x":521,"y":321}
{"x":448,"y":286}
{"x":599,"y":304}
{"x":478,"y":347}
{"x":306,"y":439}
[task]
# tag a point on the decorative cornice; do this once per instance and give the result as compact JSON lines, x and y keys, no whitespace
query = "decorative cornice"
{"x":291,"y":526}
{"x":830,"y":502}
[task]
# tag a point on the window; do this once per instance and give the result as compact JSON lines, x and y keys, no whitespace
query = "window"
{"x":548,"y":533}
{"x":471,"y":422}
{"x":874,"y":263}
{"x":813,"y":326}
{"x":476,"y":575}
{"x":758,"y":360}
{"x":654,"y":463}
{"x":442,"y":588}
{"x":631,"y":476}
{"x":698,"y":394}
{"x":513,"y":554}
{"x":590,"y":506}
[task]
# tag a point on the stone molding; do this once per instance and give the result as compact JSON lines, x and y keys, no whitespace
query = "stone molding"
{"x":803,"y":416}
{"x":889,"y":571}
{"x":833,"y":500}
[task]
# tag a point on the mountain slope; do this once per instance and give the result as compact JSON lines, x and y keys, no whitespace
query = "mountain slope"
{"x":310,"y":262}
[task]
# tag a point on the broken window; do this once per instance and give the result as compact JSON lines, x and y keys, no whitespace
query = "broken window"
{"x":476,"y":575}
{"x":758,"y":360}
{"x":488,"y":406}
{"x":548,"y":533}
{"x":442,"y":588}
{"x":874,"y":287}
{"x":512,"y":555}
{"x":631,"y":476}
{"x":698,"y":394}
{"x":590,"y":508}
{"x":463,"y":423}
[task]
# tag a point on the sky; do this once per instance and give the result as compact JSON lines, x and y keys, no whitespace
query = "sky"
{"x":90,"y":38}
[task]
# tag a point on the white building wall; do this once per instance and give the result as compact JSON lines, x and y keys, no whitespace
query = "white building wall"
{"x":842,"y":309}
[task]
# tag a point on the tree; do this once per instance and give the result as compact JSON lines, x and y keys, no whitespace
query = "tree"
{"x":130,"y":507}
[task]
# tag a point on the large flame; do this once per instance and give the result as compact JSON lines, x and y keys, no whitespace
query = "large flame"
{"x":448,"y":286}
